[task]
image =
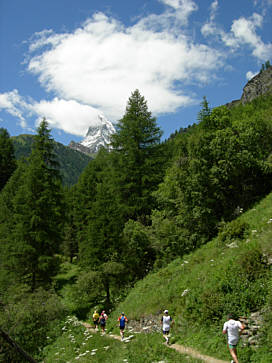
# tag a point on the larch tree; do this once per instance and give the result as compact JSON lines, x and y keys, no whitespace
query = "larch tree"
{"x":7,"y":157}
{"x":139,"y":158}
{"x":38,"y":214}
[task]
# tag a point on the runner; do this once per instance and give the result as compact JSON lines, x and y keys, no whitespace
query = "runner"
{"x":166,"y":322}
{"x":96,"y":319}
{"x":122,"y":324}
{"x":234,"y":329}
{"x":102,"y":320}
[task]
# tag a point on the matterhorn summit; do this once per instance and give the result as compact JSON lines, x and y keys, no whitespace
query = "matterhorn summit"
{"x":97,"y":136}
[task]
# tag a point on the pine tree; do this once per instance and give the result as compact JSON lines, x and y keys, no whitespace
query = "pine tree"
{"x":7,"y":195}
{"x":204,"y":114}
{"x":98,"y":217}
{"x":69,"y":246}
{"x":38,"y":214}
{"x":139,"y":158}
{"x":7,"y":157}
{"x":267,"y":64}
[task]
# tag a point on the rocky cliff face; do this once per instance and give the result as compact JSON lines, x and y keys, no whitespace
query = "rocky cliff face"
{"x":257,"y":86}
{"x":78,"y":147}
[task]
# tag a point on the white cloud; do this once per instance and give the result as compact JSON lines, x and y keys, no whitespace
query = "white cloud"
{"x":102,"y":62}
{"x":250,"y":75}
{"x":263,"y":3}
{"x":172,"y":20}
{"x":93,"y":69}
{"x":214,"y":7}
{"x":210,"y":27}
{"x":69,"y":116}
{"x":243,"y":32}
{"x":14,"y":104}
{"x":245,"y":29}
{"x":183,"y":8}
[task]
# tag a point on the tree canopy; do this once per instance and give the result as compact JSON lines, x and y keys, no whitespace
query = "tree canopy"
{"x":7,"y":157}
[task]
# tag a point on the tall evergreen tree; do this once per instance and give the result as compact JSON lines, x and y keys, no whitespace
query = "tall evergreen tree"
{"x":139,"y":158}
{"x":117,"y":186}
{"x":82,"y":203}
{"x":98,"y":218}
{"x":6,"y":225}
{"x":69,"y":246}
{"x":267,"y":64}
{"x":7,"y":157}
{"x":204,"y":114}
{"x":38,"y":214}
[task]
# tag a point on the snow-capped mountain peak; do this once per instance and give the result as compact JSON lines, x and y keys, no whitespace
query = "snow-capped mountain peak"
{"x":97,"y":136}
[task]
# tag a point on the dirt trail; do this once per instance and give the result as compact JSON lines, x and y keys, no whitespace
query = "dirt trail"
{"x":193,"y":353}
{"x":90,"y":327}
{"x":179,"y":348}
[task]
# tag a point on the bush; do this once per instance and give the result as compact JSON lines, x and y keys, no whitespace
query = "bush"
{"x":251,"y":263}
{"x":29,"y":318}
{"x":88,"y":291}
{"x":236,"y":229}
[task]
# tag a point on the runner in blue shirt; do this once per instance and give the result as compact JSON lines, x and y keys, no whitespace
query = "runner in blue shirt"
{"x":102,"y":321}
{"x":122,"y":324}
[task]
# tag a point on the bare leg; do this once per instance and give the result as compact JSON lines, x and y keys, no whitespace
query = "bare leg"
{"x":166,"y":337}
{"x":233,"y":353}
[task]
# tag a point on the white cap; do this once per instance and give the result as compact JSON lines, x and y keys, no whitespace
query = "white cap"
{"x":165,"y":311}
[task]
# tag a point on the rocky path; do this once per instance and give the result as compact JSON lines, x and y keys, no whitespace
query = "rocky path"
{"x":89,"y":327}
{"x":179,"y":348}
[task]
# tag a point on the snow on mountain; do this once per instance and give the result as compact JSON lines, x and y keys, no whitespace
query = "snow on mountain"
{"x":96,"y":137}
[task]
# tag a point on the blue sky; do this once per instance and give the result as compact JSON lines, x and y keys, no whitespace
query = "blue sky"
{"x":70,"y":61}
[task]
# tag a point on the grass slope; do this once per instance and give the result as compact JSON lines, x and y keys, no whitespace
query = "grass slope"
{"x":76,"y":344}
{"x":232,"y":273}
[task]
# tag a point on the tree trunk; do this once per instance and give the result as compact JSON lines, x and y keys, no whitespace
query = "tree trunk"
{"x":107,"y":288}
{"x":17,"y":347}
{"x":33,"y":282}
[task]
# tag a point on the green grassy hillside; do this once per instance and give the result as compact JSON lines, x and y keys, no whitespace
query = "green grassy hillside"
{"x":71,"y":162}
{"x":78,"y":344}
{"x":190,"y":232}
{"x":232,"y":273}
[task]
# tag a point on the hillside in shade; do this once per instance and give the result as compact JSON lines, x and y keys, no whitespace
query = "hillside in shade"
{"x":72,"y":162}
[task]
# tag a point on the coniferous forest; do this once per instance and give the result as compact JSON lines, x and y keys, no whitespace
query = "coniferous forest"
{"x":137,"y":207}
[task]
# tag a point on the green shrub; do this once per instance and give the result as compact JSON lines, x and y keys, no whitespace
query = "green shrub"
{"x":29,"y":318}
{"x":79,"y":297}
{"x":251,"y":263}
{"x":236,"y":229}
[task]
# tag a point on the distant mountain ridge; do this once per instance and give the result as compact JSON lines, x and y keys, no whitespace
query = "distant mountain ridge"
{"x":97,"y":136}
{"x":72,"y":162}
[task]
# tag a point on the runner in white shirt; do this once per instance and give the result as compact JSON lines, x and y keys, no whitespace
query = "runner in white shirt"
{"x":166,"y":322}
{"x":234,"y":329}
